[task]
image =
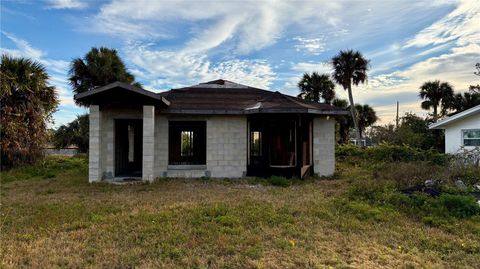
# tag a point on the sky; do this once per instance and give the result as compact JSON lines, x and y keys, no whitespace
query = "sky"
{"x":266,"y":44}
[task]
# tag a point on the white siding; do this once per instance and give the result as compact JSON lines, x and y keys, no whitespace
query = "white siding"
{"x":453,"y":132}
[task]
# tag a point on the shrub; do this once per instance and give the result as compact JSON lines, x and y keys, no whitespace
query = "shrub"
{"x":434,"y":210}
{"x":459,"y":206}
{"x":392,"y":153}
{"x":279,"y":181}
{"x":409,"y":174}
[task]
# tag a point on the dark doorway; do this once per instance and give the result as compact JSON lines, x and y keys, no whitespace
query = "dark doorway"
{"x":280,"y":145}
{"x":128,"y":148}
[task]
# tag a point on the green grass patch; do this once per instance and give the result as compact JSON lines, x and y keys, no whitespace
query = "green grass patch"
{"x":356,"y":219}
{"x":46,"y":168}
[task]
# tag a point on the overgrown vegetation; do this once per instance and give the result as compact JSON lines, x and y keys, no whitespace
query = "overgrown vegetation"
{"x":73,"y":133}
{"x":391,"y":153}
{"x":27,"y":104}
{"x":51,"y":217}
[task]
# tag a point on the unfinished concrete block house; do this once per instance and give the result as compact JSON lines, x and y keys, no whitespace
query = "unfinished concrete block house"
{"x":217,"y":129}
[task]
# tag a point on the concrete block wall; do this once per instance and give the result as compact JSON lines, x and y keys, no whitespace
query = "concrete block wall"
{"x":227,"y":146}
{"x":148,"y":143}
{"x":161,"y":145}
{"x":323,"y":146}
{"x":94,"y":152}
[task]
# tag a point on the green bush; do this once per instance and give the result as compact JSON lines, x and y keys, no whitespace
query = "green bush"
{"x":434,"y":210}
{"x":279,"y":181}
{"x":459,"y":206}
{"x":392,"y":153}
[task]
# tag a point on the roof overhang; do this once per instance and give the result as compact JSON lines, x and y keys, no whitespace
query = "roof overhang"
{"x":464,"y":114}
{"x":123,"y":94}
{"x":256,"y":111}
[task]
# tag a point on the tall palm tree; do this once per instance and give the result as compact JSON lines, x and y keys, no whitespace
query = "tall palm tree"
{"x":350,"y":67}
{"x":313,"y":87}
{"x":27,"y":103}
{"x":100,"y":66}
{"x":436,"y":95}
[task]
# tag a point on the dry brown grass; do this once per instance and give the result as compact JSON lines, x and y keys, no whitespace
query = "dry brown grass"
{"x":65,"y":222}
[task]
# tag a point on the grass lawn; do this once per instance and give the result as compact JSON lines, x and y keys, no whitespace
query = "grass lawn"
{"x":51,"y":217}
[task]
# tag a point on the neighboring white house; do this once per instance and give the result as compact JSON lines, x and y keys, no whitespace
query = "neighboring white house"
{"x":461,"y":130}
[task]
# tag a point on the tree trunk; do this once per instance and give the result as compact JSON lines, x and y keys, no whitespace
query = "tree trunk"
{"x":354,"y":114}
{"x":435,"y":116}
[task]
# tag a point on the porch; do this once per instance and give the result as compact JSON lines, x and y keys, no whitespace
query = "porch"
{"x":280,"y":144}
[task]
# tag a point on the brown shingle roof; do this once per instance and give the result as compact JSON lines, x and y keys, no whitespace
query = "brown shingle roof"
{"x":226,"y":97}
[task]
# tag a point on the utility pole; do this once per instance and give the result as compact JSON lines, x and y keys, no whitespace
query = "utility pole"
{"x":397,"y":117}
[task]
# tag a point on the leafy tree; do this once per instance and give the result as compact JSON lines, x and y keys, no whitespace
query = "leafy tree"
{"x":99,"y":67}
{"x":412,"y":131}
{"x":350,"y":67}
{"x":313,"y":87}
{"x":366,"y":117}
{"x":436,"y":95}
{"x":342,"y":125}
{"x":74,"y":133}
{"x":27,"y":104}
{"x":465,"y":101}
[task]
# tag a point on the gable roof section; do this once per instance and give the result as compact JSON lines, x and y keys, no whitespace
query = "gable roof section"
{"x":441,"y":124}
{"x":121,"y":93}
{"x":226,"y":97}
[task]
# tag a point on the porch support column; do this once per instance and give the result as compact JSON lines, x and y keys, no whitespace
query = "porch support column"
{"x":94,"y":167}
{"x":148,"y":143}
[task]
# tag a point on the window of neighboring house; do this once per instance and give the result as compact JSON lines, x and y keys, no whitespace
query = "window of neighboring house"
{"x":256,"y":143}
{"x":471,"y":138}
{"x":187,"y":143}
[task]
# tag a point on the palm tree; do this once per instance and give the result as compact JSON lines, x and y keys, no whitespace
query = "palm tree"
{"x":465,"y":101}
{"x":366,"y":117}
{"x":99,"y":67}
{"x":28,"y":102}
{"x":436,"y":95}
{"x":350,"y":67}
{"x":315,"y":86}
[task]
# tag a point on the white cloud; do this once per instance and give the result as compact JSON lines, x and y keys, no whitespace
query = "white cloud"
{"x":311,"y":45}
{"x":254,"y":25}
{"x":321,"y":68}
{"x":455,"y":66}
{"x":165,"y":69}
{"x":66,"y":4}
{"x":24,"y":48}
{"x":460,"y":26}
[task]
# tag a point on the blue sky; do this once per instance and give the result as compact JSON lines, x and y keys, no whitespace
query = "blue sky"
{"x":268,"y":44}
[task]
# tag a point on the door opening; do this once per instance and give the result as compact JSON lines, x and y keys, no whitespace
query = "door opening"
{"x":128,"y":147}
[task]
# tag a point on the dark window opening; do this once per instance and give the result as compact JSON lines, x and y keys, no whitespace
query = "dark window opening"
{"x":187,"y":143}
